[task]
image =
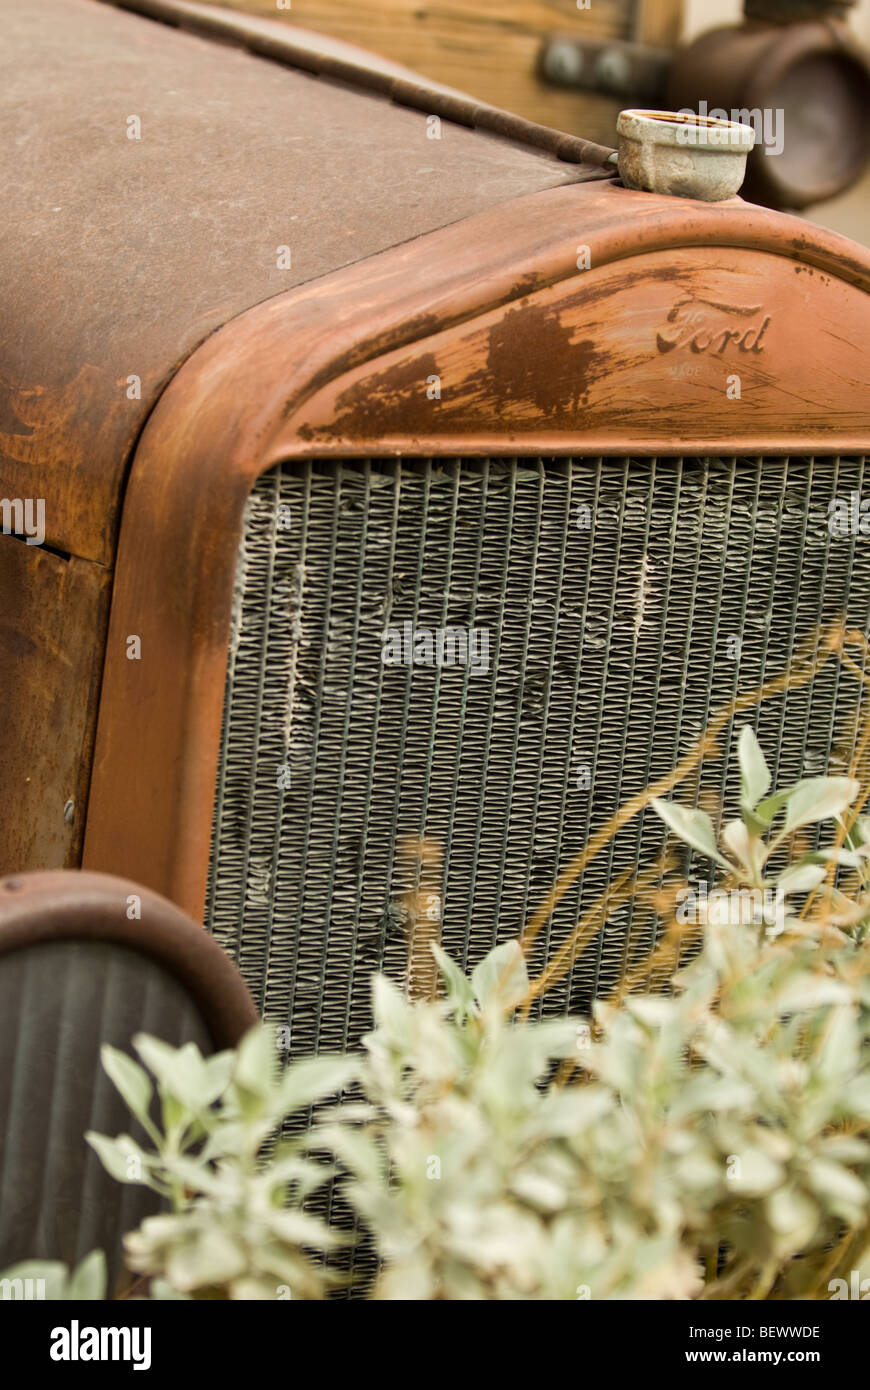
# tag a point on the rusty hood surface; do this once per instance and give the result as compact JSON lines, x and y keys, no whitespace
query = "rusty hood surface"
{"x":158,"y":182}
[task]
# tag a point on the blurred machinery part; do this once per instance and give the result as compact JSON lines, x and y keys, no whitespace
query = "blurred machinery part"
{"x":792,"y":69}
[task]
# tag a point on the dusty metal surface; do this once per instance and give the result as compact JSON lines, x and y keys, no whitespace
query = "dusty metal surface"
{"x":328,"y":57}
{"x":52,"y":630}
{"x":119,"y":255}
{"x":490,"y":292}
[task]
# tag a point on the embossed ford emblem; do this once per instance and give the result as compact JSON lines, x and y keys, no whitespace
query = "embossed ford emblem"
{"x":706,"y":325}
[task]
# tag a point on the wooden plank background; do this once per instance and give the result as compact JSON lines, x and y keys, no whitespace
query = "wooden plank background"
{"x":489,"y":48}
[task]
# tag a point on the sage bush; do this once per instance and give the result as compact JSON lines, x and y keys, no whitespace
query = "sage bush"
{"x":708,"y":1140}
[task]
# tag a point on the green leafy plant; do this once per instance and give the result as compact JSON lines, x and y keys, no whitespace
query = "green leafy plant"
{"x":237,"y":1228}
{"x":749,"y":844}
{"x":716,"y":1145}
{"x":711,"y":1140}
{"x":55,"y":1282}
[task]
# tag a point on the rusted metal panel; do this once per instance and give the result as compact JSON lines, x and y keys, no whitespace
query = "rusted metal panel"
{"x":260,"y":391}
{"x":706,"y":341}
{"x":53,"y":615}
{"x":53,"y":906}
{"x":119,"y":255}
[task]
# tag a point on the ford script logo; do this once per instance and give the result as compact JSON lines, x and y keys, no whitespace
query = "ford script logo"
{"x":704,"y":325}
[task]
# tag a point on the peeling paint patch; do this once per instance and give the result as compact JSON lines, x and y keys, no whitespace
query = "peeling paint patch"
{"x":532,"y":357}
{"x":644,"y":594}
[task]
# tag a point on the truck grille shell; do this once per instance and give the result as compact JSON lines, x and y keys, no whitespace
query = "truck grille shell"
{"x":625,"y":599}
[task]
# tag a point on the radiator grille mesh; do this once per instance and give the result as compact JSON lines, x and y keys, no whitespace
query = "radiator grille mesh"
{"x":610,"y":645}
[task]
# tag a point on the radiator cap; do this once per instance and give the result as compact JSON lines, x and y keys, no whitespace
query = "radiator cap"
{"x":681,"y":154}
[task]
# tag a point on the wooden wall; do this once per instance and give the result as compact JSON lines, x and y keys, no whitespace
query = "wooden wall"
{"x":490,"y":48}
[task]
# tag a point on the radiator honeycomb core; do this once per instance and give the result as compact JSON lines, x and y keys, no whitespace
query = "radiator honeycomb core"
{"x":624,"y":599}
